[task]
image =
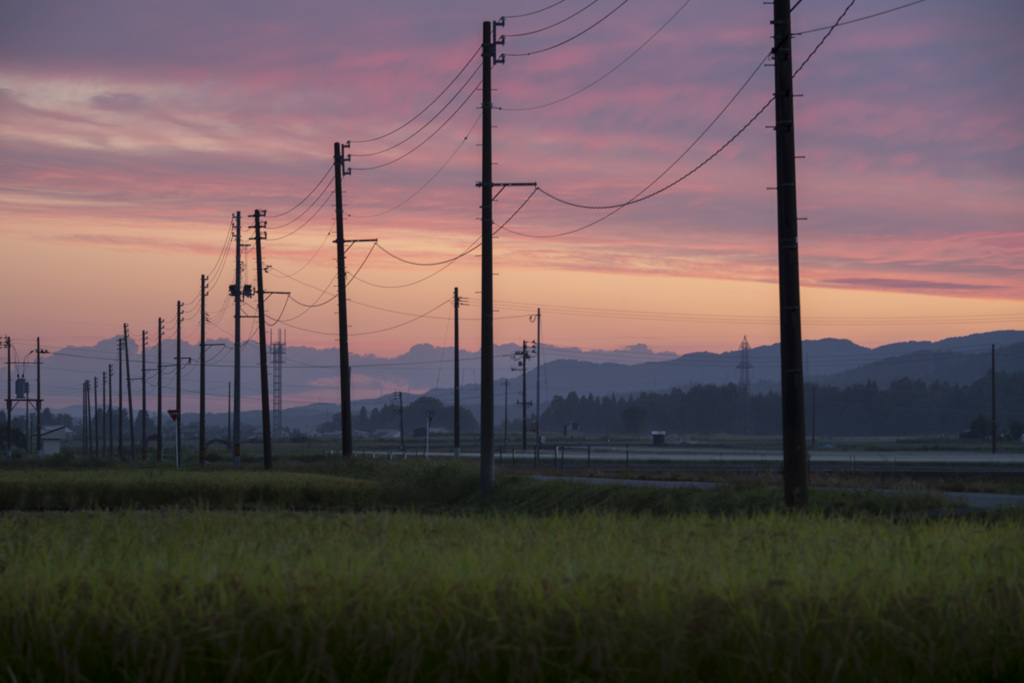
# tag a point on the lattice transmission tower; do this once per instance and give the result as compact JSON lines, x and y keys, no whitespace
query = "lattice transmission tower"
{"x":277,"y":356}
{"x":743,"y":406}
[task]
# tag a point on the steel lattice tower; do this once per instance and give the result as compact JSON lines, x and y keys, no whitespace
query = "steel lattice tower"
{"x":277,"y":353}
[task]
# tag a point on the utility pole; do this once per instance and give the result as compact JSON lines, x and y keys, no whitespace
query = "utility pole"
{"x":346,"y":375}
{"x":523,"y":356}
{"x":145,"y":415}
{"x":506,"y":414}
{"x":456,"y":425}
{"x":264,"y":385}
{"x":96,"y":416}
{"x":202,"y":371}
{"x":177,"y":393}
{"x":110,"y":409}
{"x":487,"y":185}
{"x":159,"y":389}
{"x":236,"y":461}
{"x":39,"y":399}
{"x":401,"y":422}
{"x":796,"y":464}
{"x":85,"y":418}
{"x":536,"y":355}
{"x":120,"y":398}
{"x":993,"y":399}
{"x":128,"y":376}
{"x":10,"y":447}
{"x":430,"y":418}
{"x":487,"y":273}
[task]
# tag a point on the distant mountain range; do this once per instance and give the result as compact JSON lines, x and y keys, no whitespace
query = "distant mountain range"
{"x":309,"y":377}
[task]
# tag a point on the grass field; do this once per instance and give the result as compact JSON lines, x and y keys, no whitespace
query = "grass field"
{"x":398,"y":571}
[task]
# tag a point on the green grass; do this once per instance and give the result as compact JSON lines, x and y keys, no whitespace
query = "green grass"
{"x":210,"y":595}
{"x":416,"y":484}
{"x":117,"y":488}
{"x":373,"y":570}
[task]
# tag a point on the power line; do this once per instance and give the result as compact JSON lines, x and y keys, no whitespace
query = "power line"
{"x":407,"y":322}
{"x":427,"y":123}
{"x":853,"y":21}
{"x":307,"y":221}
{"x":639,"y":198}
{"x":823,"y":38}
{"x":429,"y":180}
{"x":417,"y":147}
{"x":607,"y":73}
{"x":302,"y":201}
{"x":420,"y":113}
{"x":570,"y":39}
{"x":551,"y":26}
{"x":530,"y":14}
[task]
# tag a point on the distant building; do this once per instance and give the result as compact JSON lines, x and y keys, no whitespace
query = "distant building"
{"x":52,"y":438}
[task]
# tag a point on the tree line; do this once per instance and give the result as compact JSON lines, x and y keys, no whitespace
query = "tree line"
{"x":905,"y":407}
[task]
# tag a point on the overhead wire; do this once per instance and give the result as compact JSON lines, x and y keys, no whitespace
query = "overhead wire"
{"x":407,"y":322}
{"x":571,"y":38}
{"x":476,"y":53}
{"x":643,"y":197}
{"x":854,"y":21}
{"x":303,"y":200}
{"x":308,"y":261}
{"x":530,"y":14}
{"x":307,"y":221}
{"x":607,"y":73}
{"x":429,"y":180}
{"x":423,"y":142}
{"x":428,"y":121}
{"x":365,"y":259}
{"x":823,"y":39}
{"x":557,"y":23}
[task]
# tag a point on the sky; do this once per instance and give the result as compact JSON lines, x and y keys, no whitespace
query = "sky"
{"x":131,"y":132}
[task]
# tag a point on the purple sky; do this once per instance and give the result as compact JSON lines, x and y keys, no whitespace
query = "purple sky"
{"x":131,"y":131}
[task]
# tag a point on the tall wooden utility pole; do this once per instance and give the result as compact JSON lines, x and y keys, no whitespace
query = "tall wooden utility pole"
{"x":526,"y":404}
{"x":110,"y":409}
{"x":39,"y":398}
{"x":346,"y":373}
{"x":128,"y":377}
{"x":202,"y":370}
{"x":236,"y":429}
{"x":85,"y":419}
{"x":145,"y":415}
{"x":457,"y":422}
{"x":795,"y":463}
{"x":536,"y":355}
{"x":96,"y":416}
{"x":261,"y":296}
{"x":993,"y":399}
{"x":177,"y":395}
{"x":487,"y":185}
{"x":120,"y":398}
{"x":10,"y":447}
{"x":487,"y":278}
{"x":159,"y":389}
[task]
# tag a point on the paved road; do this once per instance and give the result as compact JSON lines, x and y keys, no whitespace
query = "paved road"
{"x":979,"y":501}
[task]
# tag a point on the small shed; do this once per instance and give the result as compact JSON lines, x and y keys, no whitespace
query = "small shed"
{"x":658,"y":438}
{"x":52,"y":438}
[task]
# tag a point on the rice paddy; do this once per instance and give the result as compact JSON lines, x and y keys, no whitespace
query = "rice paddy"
{"x":325,"y":577}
